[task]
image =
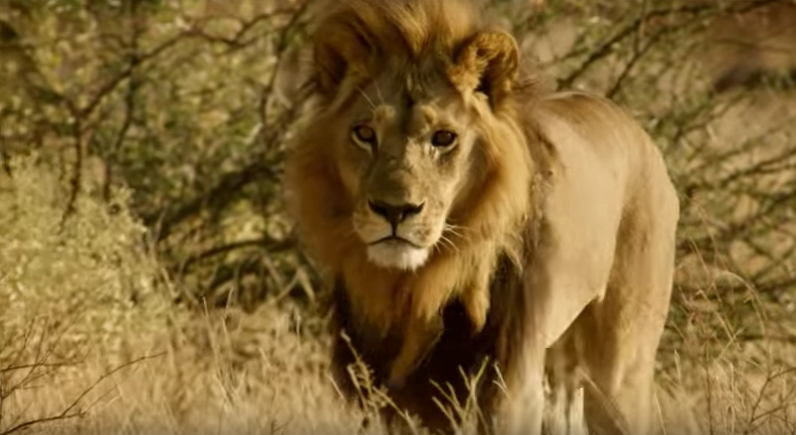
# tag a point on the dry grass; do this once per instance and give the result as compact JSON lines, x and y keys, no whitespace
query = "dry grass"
{"x":120,"y":362}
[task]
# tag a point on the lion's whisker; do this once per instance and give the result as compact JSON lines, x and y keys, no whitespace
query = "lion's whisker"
{"x":379,"y":94}
{"x":370,"y":102}
{"x":449,"y":244}
{"x":456,"y":227}
{"x":455,"y":230}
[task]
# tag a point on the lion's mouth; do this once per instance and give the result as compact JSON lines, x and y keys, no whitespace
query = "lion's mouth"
{"x":397,"y":253}
{"x":396,"y":241}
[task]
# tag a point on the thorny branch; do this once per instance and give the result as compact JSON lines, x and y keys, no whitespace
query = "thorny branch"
{"x":607,"y":47}
{"x":72,"y":410}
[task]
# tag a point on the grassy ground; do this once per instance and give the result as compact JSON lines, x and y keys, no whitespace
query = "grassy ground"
{"x":92,"y":342}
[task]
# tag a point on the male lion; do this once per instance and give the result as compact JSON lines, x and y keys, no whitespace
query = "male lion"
{"x":467,"y":215}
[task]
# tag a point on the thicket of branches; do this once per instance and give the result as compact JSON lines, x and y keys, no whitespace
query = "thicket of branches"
{"x":189,"y":104}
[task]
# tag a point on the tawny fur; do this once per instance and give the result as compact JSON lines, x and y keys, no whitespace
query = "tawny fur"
{"x":520,"y":197}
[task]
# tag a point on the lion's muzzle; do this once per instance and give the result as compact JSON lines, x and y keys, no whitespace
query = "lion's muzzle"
{"x":399,"y":234}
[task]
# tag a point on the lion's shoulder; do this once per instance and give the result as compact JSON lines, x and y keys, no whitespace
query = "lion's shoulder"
{"x":594,"y":134}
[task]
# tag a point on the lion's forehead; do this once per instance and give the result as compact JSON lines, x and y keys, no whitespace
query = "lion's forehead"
{"x":411,"y":118}
{"x":417,"y":94}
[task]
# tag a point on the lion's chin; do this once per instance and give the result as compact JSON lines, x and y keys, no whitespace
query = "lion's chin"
{"x":397,"y":255}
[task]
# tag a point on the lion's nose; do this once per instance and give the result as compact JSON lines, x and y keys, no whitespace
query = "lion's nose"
{"x":394,"y":214}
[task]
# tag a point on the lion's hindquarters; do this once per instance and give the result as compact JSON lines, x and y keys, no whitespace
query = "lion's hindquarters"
{"x":637,"y":302}
{"x":624,"y":329}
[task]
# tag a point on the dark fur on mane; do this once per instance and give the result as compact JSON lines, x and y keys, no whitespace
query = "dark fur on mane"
{"x":457,"y":355}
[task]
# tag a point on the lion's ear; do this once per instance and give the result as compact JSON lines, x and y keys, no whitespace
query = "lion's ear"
{"x":339,"y":50}
{"x":487,"y":63}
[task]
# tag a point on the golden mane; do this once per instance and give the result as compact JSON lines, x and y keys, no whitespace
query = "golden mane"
{"x":404,"y":32}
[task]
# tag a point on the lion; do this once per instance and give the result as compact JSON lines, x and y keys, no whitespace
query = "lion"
{"x":471,"y":220}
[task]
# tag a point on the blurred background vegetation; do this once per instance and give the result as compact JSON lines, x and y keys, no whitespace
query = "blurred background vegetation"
{"x":141,"y":207}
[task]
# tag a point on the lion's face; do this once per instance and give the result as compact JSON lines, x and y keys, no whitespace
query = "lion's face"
{"x":404,"y":158}
{"x":417,"y":130}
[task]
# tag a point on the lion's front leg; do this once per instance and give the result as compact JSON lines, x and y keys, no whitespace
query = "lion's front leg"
{"x":564,"y":412}
{"x":419,"y":337}
{"x":522,"y":403}
{"x":523,"y":410}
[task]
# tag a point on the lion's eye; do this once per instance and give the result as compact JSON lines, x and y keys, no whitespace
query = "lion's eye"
{"x":365,"y":134}
{"x":443,"y":138}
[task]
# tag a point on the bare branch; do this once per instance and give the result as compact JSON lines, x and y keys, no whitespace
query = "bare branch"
{"x":71,"y":411}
